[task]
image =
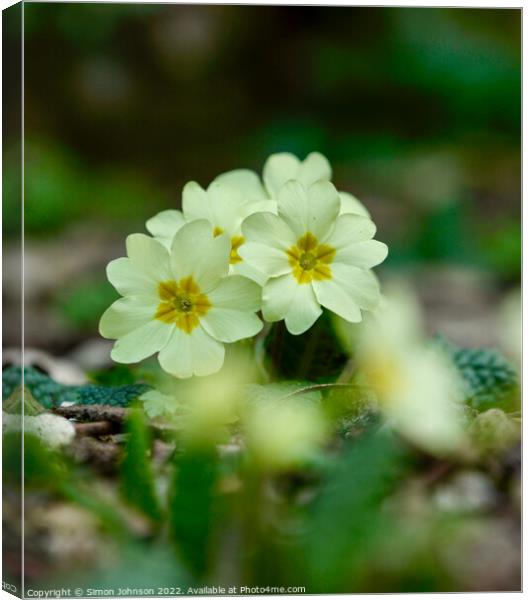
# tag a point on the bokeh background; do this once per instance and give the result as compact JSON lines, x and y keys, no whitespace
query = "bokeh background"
{"x":417,"y":109}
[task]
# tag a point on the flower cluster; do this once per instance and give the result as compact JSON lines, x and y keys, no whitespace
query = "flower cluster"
{"x":287,"y":245}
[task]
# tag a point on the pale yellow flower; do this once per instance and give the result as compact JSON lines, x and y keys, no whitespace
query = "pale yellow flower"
{"x":180,"y":303}
{"x":312,"y":256}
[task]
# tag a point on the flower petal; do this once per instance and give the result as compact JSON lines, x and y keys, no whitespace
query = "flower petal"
{"x":228,"y":325}
{"x":196,"y":353}
{"x":128,"y":280}
{"x":148,"y":256}
{"x":361,"y":288}
{"x":361,"y":285}
{"x":221,"y":205}
{"x":350,"y":205}
{"x":284,"y":298}
{"x":165,"y":224}
{"x":350,"y":229}
{"x":142,"y":342}
{"x":259,"y":206}
{"x":279,"y":169}
{"x":228,"y":207}
{"x":245,"y":181}
{"x":315,"y":167}
{"x":196,"y":203}
{"x":268,"y":229}
{"x":126,"y":315}
{"x":363,"y":254}
{"x":176,"y":358}
{"x":270,"y":261}
{"x":334,"y":297}
{"x":196,"y":252}
{"x":309,"y":210}
{"x":238,"y":293}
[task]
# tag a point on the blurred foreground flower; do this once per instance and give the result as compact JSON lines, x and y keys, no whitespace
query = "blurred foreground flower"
{"x":313,"y":257}
{"x":418,"y":388}
{"x":201,"y":408}
{"x":280,"y":431}
{"x":180,"y":303}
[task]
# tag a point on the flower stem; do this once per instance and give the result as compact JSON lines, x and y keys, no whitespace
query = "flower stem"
{"x":322,"y":386}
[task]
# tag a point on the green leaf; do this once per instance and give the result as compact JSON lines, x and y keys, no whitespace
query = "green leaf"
{"x":354,"y":408}
{"x":346,"y":519}
{"x":43,"y":467}
{"x":46,"y":469}
{"x":13,"y":404}
{"x":192,"y":502}
{"x":50,"y":393}
{"x":491,"y":381}
{"x":137,"y":479}
{"x":122,"y":395}
{"x":137,"y":566}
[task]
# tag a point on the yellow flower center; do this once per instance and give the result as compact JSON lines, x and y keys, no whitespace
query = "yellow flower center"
{"x":384,"y":375}
{"x":310,"y":260}
{"x":236,"y":242}
{"x":182,"y":303}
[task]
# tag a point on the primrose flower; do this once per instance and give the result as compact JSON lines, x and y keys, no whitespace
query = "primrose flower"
{"x":417,"y":388}
{"x":228,"y":200}
{"x":281,"y":433}
{"x":284,"y":166}
{"x":313,"y":257}
{"x":180,"y":302}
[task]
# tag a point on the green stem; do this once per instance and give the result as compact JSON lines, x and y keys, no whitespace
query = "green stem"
{"x":347,"y":372}
{"x":252,"y":510}
{"x":322,"y":386}
{"x":307,"y":355}
{"x":260,"y":351}
{"x":278,"y":336}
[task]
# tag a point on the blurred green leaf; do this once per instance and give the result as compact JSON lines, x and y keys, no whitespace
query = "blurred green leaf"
{"x":137,"y":566}
{"x":43,"y":468}
{"x":348,"y":512}
{"x":192,"y":507}
{"x":491,"y":381}
{"x":48,"y":470}
{"x":138,"y":486}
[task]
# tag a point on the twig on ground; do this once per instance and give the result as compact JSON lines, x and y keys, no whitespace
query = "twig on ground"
{"x":96,"y":429}
{"x":93,"y":412}
{"x":103,"y":455}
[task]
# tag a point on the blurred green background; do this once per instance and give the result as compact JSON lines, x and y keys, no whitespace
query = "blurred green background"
{"x":417,"y":109}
